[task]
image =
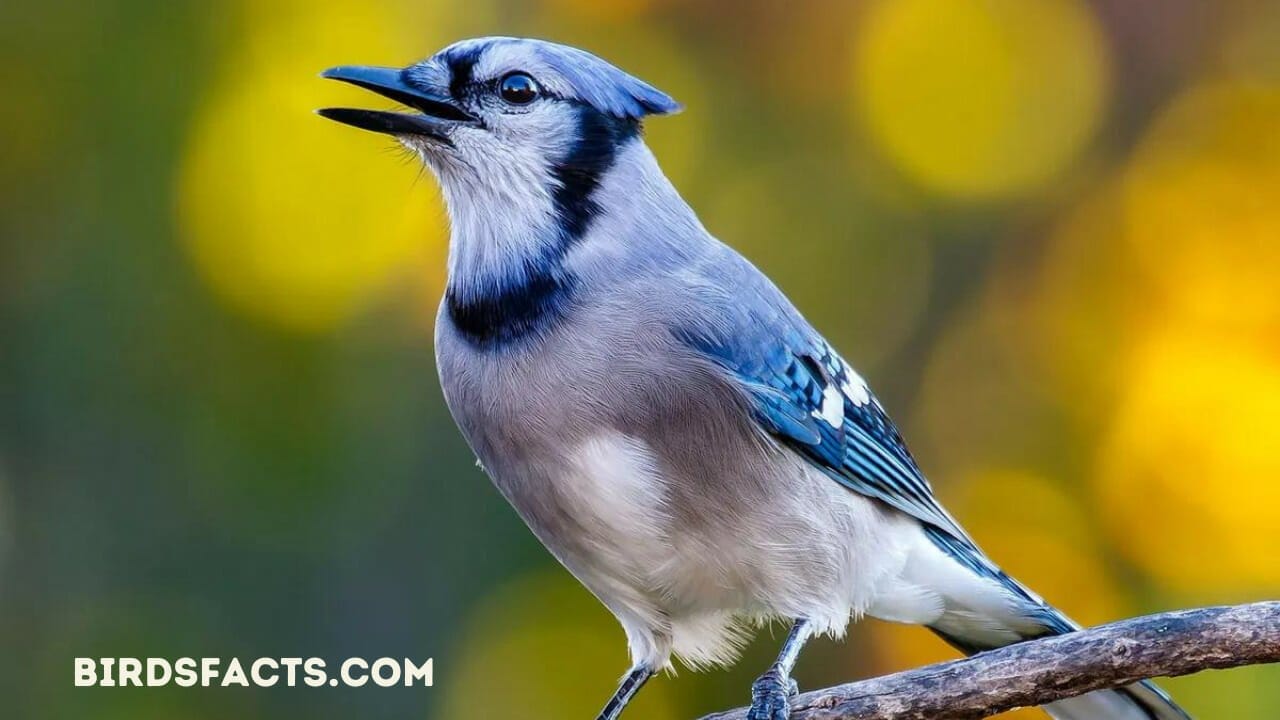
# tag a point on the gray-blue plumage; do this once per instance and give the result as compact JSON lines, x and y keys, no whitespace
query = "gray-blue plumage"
{"x":579,"y":75}
{"x":655,"y":409}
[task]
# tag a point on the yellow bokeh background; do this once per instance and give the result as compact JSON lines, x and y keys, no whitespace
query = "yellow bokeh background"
{"x":291,"y":218}
{"x":1194,"y":443}
{"x":980,"y":99}
{"x":1178,"y":338}
{"x":525,"y":628}
{"x":1047,"y":232}
{"x":1202,"y":207}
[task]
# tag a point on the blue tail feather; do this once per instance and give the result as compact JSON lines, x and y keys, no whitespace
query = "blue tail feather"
{"x":1141,"y":701}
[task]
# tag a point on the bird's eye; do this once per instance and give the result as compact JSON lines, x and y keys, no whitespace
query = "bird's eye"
{"x":518,"y":88}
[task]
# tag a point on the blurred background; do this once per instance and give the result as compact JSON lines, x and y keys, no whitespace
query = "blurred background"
{"x":1047,"y":231}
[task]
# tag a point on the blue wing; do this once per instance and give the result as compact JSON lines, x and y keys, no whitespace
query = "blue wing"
{"x":808,"y":398}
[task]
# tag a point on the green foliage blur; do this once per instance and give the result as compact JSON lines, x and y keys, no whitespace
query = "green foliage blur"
{"x":1047,"y":232}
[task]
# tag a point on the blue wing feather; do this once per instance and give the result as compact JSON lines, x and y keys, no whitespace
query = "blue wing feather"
{"x":787,"y":370}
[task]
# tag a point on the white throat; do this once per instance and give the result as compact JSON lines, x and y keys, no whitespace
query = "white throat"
{"x":501,"y":217}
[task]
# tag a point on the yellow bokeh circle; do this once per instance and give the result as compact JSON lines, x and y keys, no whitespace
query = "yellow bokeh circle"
{"x":1202,"y":208}
{"x":1187,"y":483}
{"x":1192,"y":445}
{"x":980,"y":99}
{"x":291,"y":218}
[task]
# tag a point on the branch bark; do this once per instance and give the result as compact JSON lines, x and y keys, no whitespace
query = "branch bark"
{"x":1041,"y":671}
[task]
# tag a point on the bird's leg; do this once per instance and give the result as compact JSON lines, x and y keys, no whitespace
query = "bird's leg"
{"x":631,"y":683}
{"x":772,"y":691}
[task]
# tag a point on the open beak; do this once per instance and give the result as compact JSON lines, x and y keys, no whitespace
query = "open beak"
{"x":439,"y":112}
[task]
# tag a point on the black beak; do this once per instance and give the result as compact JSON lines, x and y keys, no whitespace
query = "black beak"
{"x":439,"y":111}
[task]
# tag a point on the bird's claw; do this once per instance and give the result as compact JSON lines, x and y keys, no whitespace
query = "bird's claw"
{"x":770,"y":696}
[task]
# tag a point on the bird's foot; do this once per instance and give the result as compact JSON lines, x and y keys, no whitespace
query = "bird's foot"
{"x":770,"y":696}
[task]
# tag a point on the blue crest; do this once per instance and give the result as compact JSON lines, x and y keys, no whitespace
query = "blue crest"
{"x":562,"y":70}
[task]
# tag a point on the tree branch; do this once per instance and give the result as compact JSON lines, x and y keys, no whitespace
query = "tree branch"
{"x":1041,"y":671}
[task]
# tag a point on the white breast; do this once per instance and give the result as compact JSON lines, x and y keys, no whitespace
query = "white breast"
{"x":615,"y":490}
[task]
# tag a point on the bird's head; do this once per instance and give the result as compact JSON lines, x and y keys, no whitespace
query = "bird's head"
{"x":526,"y":123}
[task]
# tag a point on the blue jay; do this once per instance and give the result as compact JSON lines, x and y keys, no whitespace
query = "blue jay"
{"x":658,"y":413}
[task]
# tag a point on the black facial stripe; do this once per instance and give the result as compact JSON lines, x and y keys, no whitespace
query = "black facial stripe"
{"x":461,"y":65}
{"x":578,"y":174}
{"x":531,"y":302}
{"x":514,"y":311}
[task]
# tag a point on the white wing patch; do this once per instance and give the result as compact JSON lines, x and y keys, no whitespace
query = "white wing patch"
{"x":855,"y":388}
{"x":832,"y":411}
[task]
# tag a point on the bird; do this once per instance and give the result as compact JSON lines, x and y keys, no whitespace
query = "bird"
{"x":658,"y":413}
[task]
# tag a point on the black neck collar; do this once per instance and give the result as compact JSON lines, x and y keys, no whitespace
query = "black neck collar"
{"x":529,"y":302}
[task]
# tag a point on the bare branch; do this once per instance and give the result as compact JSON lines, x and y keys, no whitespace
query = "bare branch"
{"x":1041,"y":671}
